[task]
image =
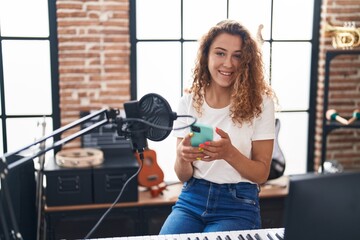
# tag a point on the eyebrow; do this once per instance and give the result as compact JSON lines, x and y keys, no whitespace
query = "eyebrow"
{"x":220,"y":48}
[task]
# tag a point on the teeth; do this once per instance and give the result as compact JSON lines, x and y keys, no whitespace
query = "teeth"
{"x":225,"y":73}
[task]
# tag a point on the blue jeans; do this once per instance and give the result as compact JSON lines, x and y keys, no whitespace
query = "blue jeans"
{"x":209,"y":207}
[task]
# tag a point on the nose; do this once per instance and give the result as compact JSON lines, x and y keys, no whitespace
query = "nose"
{"x":227,"y":61}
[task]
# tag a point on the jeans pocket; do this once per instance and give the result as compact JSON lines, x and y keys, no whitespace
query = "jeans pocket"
{"x":245,"y":193}
{"x":187,"y":185}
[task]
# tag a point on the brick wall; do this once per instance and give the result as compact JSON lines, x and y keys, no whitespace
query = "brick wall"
{"x":94,"y":53}
{"x":343,"y":145}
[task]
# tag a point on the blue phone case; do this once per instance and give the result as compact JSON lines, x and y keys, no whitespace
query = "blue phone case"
{"x":202,"y":133}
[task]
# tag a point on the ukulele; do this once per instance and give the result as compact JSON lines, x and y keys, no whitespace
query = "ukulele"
{"x":151,"y":174}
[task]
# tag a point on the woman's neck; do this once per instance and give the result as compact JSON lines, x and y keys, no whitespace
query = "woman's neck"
{"x":217,"y":97}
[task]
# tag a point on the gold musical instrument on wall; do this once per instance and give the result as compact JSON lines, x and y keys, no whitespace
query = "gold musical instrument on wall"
{"x":346,"y":37}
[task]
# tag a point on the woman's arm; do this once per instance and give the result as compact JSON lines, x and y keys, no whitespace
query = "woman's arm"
{"x":185,"y":155}
{"x":183,"y":169}
{"x":255,"y":169}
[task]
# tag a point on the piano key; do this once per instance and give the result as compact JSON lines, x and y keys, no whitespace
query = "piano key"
{"x":270,"y":236}
{"x":241,"y":237}
{"x":249,"y":237}
{"x":257,"y":236}
{"x":280,"y":237}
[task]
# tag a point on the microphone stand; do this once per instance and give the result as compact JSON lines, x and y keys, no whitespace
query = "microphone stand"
{"x":5,"y":168}
{"x":39,"y":187}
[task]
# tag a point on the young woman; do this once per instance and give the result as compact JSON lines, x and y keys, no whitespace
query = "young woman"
{"x":221,"y":177}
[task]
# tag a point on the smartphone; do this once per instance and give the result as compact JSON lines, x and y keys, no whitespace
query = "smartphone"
{"x":202,"y":133}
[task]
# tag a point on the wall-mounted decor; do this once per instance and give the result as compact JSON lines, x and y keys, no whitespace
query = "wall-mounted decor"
{"x":346,"y":37}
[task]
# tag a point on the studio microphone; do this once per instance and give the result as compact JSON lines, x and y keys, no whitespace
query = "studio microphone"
{"x":135,"y":130}
{"x":149,"y":118}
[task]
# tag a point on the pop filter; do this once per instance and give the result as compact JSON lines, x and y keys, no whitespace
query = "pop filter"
{"x":155,"y":109}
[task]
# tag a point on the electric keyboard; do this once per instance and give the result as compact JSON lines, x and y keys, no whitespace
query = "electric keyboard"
{"x":258,"y":234}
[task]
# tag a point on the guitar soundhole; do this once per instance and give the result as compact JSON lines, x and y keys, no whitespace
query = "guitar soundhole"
{"x":152,"y":177}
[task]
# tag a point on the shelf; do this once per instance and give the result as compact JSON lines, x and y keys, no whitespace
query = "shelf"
{"x":332,"y":125}
{"x":327,"y":125}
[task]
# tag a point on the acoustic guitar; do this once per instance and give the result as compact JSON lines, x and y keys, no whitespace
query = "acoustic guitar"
{"x":151,"y":174}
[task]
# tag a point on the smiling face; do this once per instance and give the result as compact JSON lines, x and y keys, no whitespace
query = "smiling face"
{"x":224,"y":59}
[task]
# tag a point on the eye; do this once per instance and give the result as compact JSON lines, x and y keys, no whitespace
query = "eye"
{"x":237,"y":56}
{"x":220,"y":53}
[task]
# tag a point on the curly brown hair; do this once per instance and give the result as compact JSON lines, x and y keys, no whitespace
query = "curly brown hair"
{"x":249,"y":86}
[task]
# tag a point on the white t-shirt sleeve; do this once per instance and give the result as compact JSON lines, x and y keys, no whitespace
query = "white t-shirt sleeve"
{"x":264,"y":125}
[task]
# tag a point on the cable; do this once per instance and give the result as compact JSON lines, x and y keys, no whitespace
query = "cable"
{"x":158,"y":126}
{"x":116,"y":200}
{"x":141,"y":158}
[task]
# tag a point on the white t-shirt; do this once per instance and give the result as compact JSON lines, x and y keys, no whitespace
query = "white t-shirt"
{"x":219,"y":171}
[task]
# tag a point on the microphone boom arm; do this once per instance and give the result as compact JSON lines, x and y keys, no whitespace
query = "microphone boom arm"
{"x":110,"y":116}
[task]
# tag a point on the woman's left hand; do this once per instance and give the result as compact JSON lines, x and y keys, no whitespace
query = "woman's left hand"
{"x":220,"y":149}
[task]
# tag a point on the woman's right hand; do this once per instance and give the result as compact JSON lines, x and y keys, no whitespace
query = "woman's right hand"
{"x":185,"y":155}
{"x":186,"y":152}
